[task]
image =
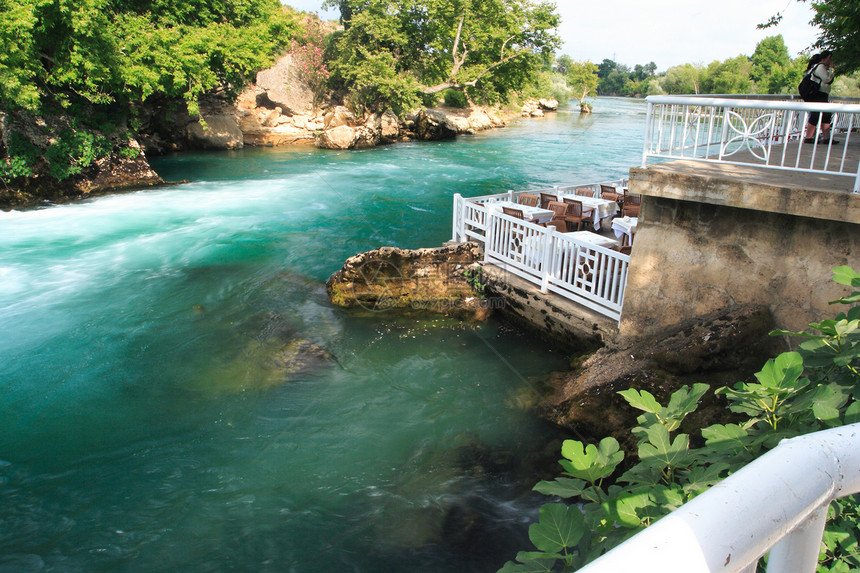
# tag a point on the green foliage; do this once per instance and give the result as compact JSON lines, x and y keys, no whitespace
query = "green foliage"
{"x":475,"y":278}
{"x":389,"y":51}
{"x":108,"y":51}
{"x":839,"y":21}
{"x":814,"y":388}
{"x":582,"y":79}
{"x":73,"y":150}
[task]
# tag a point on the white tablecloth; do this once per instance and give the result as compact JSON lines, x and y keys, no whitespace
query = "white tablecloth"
{"x":603,"y":208}
{"x":533,"y":214}
{"x":625,"y":226}
{"x":593,"y":238}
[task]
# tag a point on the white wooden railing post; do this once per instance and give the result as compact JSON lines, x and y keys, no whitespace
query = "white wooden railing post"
{"x":458,"y":229}
{"x":490,"y":234}
{"x":647,"y":141}
{"x":548,"y":243}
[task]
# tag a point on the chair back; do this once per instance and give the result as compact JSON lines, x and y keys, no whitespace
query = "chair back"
{"x":607,"y":189}
{"x":585,"y":192}
{"x":630,"y":209}
{"x":528,"y":199}
{"x":609,"y":195}
{"x":545,"y":198}
{"x":574,"y":207}
{"x":560,"y":209}
{"x":518,"y":213}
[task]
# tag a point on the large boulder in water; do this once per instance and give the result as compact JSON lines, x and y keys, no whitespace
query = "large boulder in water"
{"x":434,"y":125}
{"x":389,"y":278}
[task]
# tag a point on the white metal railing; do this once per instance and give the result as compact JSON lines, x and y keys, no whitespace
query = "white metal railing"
{"x":760,"y":132}
{"x":777,"y":504}
{"x":588,"y":274}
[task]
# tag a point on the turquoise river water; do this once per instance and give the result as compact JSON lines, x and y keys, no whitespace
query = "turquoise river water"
{"x":144,"y":422}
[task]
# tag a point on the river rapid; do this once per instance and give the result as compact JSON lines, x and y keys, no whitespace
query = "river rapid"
{"x":148,"y":421}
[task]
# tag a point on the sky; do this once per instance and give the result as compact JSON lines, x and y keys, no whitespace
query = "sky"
{"x":666,"y":32}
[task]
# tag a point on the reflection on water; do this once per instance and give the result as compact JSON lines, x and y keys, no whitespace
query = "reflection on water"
{"x":177,"y":392}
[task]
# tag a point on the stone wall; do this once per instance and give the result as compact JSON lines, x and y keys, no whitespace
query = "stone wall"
{"x":693,"y":257}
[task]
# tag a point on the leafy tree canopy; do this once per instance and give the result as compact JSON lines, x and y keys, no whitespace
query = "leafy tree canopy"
{"x":124,"y":51}
{"x":839,"y":21}
{"x":391,"y":52}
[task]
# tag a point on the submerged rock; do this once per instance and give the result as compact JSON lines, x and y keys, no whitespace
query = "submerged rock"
{"x":301,"y":357}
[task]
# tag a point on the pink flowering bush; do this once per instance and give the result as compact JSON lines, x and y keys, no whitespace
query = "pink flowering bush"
{"x":309,"y":57}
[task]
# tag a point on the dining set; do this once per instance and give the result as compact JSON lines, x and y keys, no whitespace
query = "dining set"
{"x":580,"y":208}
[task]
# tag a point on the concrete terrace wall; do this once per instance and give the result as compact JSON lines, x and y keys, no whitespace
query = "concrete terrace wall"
{"x":711,"y":240}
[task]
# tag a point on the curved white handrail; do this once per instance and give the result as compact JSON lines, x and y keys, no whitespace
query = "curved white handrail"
{"x":777,"y":503}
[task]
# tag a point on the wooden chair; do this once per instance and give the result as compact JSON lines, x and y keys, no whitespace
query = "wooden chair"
{"x":631,"y":205}
{"x":561,"y":211}
{"x":528,"y":199}
{"x":545,"y":198}
{"x":609,"y":195}
{"x":518,"y":213}
{"x":585,"y":192}
{"x":559,"y":224}
{"x":577,"y":214}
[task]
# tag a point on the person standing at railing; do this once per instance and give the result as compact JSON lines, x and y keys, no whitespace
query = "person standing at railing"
{"x":820,"y":71}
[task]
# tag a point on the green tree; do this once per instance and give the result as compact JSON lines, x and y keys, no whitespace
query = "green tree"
{"x":769,"y":64}
{"x":582,"y":79}
{"x":486,"y":48}
{"x":685,"y":79}
{"x":563,"y":64}
{"x":106,"y":51}
{"x":731,"y":76}
{"x":839,"y":21}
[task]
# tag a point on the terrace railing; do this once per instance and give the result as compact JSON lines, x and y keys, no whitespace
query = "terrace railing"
{"x":590,"y":275}
{"x":776,"y":505}
{"x":761,"y":132}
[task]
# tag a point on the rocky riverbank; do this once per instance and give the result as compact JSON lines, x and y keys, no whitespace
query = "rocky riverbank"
{"x":276,"y":109}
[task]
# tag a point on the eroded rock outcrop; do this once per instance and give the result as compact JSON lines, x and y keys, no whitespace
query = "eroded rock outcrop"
{"x":410,"y":280}
{"x":719,"y":349}
{"x":121,"y":165}
{"x":534,"y":107}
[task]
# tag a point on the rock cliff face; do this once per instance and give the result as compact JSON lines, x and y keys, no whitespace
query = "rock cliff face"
{"x":279,"y":109}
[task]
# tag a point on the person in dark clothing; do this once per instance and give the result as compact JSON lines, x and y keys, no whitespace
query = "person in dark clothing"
{"x":820,"y":68}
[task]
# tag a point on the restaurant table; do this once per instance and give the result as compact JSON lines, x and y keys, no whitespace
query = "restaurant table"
{"x":602,"y":208}
{"x":531,"y":214}
{"x":625,"y":226}
{"x":593,"y":238}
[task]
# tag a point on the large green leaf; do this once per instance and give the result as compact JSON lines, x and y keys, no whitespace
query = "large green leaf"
{"x":560,"y":526}
{"x":589,"y":462}
{"x":781,"y":372}
{"x":623,"y":510}
{"x":643,"y":400}
{"x":660,"y":450}
{"x":561,"y":486}
{"x":845,"y":275}
{"x":684,"y":400}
